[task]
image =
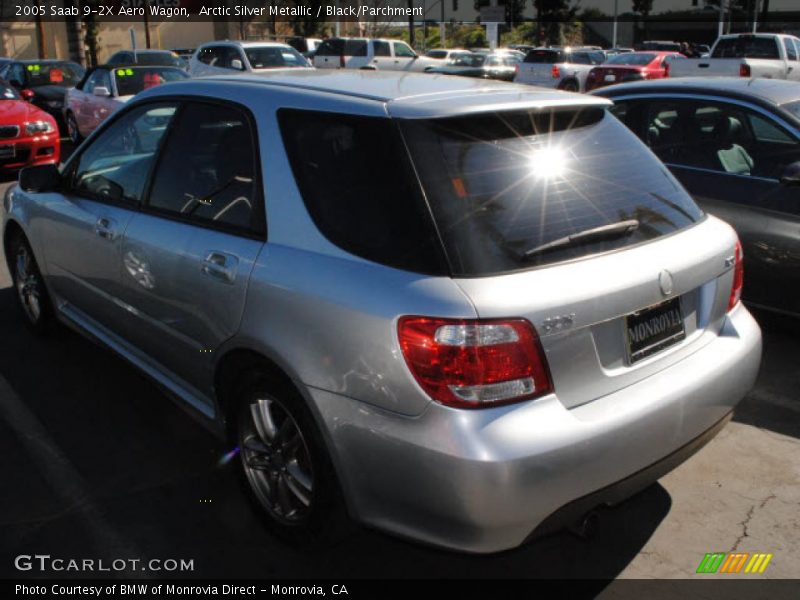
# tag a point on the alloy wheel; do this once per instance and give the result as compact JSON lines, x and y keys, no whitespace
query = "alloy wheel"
{"x":276,"y":460}
{"x":29,"y":286}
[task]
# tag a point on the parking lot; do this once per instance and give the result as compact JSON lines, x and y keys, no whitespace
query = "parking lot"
{"x":99,"y":463}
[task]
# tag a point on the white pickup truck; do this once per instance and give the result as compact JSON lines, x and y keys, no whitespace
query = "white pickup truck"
{"x":769,"y":55}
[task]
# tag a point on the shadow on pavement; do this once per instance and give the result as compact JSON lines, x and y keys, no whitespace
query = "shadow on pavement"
{"x":145,"y":481}
{"x":774,"y":404}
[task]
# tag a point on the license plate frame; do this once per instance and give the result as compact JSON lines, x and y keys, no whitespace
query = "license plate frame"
{"x":654,"y":329}
{"x":8,"y":151}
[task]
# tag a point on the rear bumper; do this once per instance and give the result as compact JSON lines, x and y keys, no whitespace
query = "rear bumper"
{"x":485,"y":480}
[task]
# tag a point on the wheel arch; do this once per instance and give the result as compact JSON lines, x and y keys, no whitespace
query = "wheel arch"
{"x":12,"y":229}
{"x":232,"y":367}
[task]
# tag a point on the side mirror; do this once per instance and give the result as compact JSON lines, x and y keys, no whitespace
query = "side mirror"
{"x":27,"y":94}
{"x":101,"y":90}
{"x":791,"y":174}
{"x":43,"y":178}
{"x":237,"y":64}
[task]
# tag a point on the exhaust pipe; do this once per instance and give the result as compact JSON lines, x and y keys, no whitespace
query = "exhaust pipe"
{"x":586,"y":526}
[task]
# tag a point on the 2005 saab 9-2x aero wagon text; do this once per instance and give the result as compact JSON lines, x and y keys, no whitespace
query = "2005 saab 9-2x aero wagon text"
{"x":458,"y":311}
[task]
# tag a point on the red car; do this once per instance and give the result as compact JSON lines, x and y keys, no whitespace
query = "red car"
{"x":631,"y":66}
{"x":28,"y":135}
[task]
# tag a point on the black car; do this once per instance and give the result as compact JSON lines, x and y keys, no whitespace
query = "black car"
{"x":44,"y":83}
{"x":501,"y":65}
{"x":734,"y":144}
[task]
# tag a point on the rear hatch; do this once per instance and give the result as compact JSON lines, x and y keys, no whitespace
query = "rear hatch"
{"x":539,"y":66}
{"x":564,"y":218}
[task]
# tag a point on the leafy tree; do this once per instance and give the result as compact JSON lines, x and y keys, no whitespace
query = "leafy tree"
{"x":643,"y":7}
{"x":514,"y":9}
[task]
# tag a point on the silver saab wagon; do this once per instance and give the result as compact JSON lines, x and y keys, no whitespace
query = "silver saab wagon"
{"x":458,"y":311}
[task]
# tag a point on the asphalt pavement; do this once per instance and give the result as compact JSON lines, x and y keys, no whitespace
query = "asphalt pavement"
{"x":97,"y":463}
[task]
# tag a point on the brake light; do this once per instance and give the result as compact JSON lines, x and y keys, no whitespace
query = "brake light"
{"x":744,"y":70}
{"x":738,"y":277}
{"x":475,"y":363}
{"x":556,"y":72}
{"x":666,"y":70}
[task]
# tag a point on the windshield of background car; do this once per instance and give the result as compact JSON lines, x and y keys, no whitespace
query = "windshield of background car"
{"x":62,"y":74}
{"x":746,"y":47}
{"x":631,"y":59}
{"x":793,"y":107}
{"x":273,"y":57}
{"x":7,"y":92}
{"x":502,"y":184}
{"x":164,"y":59}
{"x":131,"y":81}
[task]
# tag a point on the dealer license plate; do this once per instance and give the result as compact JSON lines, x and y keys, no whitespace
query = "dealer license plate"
{"x":653,"y":329}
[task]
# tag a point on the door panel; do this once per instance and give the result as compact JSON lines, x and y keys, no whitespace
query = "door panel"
{"x":105,"y":185}
{"x":187,"y":257}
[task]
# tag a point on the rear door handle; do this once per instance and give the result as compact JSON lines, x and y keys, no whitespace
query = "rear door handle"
{"x":106,"y":228}
{"x":220,"y":266}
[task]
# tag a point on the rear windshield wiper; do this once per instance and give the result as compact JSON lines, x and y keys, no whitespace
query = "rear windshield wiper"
{"x":593,"y":234}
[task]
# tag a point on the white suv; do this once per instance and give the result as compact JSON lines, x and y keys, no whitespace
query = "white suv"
{"x":366,"y":53}
{"x":561,"y":68}
{"x":218,"y":58}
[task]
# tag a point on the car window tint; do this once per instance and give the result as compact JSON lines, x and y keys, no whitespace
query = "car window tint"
{"x":330,"y":48}
{"x":547,"y":57}
{"x":272,"y":57}
{"x":505,"y":184}
{"x":382,"y":49}
{"x":355,"y":47}
{"x":207,"y":171}
{"x":358,"y":187}
{"x":131,"y":81}
{"x":115,"y":166}
{"x":208,"y":55}
{"x":402,"y":50}
{"x":791,"y":51}
{"x":717,"y":136}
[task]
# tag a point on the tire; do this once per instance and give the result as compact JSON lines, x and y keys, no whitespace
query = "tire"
{"x":72,"y":129}
{"x":32,"y":295}
{"x":285,"y":466}
{"x":570,"y":86}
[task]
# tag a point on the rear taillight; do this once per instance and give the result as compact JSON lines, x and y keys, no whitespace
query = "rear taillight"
{"x":556,"y":72}
{"x":471,"y":363}
{"x":744,"y":70}
{"x":666,"y":70}
{"x":738,"y":277}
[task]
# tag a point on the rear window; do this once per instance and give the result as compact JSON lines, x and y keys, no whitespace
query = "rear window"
{"x":62,"y":74}
{"x":357,"y":184}
{"x":746,"y":47}
{"x":274,"y":57}
{"x":632,"y":58}
{"x":436,"y":54}
{"x":505,"y":193}
{"x":547,"y":57}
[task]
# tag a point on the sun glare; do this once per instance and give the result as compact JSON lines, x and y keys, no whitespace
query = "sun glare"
{"x":548,"y":163}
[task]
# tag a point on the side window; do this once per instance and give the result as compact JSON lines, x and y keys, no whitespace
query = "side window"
{"x":208,"y":55}
{"x":229,"y":54}
{"x":796,"y":48}
{"x":207,"y":172}
{"x":339,"y":161}
{"x":91,"y":82}
{"x":381,"y":48}
{"x":103,"y":80}
{"x":791,"y":51}
{"x":581,"y":58}
{"x":402,"y":50}
{"x":115,"y":167}
{"x":720,"y":137}
{"x":16,"y":74}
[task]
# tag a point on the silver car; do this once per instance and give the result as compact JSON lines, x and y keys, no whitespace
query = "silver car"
{"x":458,"y":311}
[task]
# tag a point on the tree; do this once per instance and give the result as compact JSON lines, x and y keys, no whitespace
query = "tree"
{"x":549,"y":16}
{"x":643,"y":7}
